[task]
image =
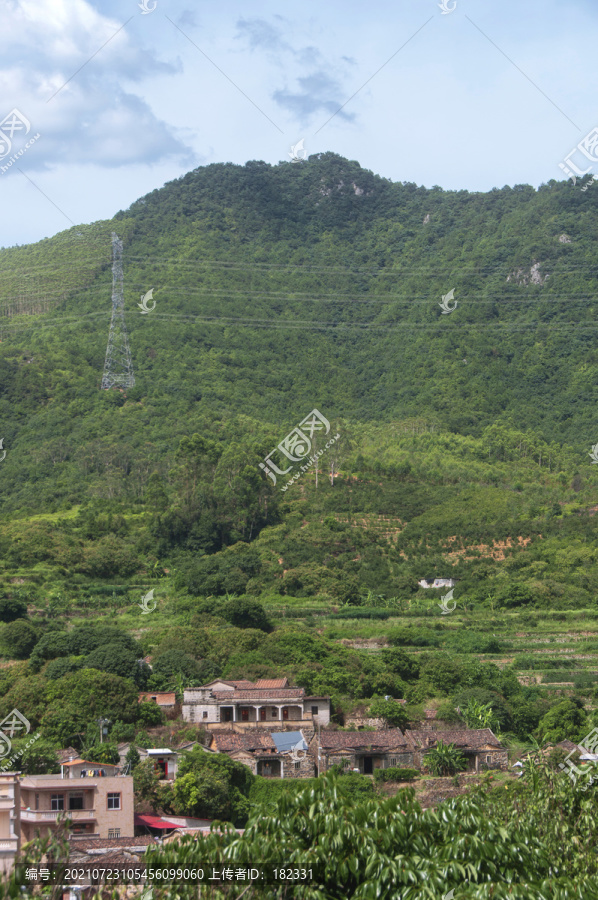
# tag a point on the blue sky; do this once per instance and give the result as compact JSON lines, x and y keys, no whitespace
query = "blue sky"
{"x":492,"y":93}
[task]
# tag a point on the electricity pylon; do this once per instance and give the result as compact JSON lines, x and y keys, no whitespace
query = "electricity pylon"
{"x":118,"y":368}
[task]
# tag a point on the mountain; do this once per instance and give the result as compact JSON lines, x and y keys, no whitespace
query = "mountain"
{"x":283,"y":289}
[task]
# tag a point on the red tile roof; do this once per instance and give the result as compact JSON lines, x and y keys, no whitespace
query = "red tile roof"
{"x":154,"y":822}
{"x":163,"y":698}
{"x":464,"y":738}
{"x":359,"y":740}
{"x":256,"y":695}
{"x":227,"y":741}
{"x":272,"y":683}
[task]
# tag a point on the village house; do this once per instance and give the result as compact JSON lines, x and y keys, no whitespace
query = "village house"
{"x":366,"y":751}
{"x":164,"y":699}
{"x":267,"y":702}
{"x":479,"y":746}
{"x":166,"y":759}
{"x":281,"y":754}
{"x":97,"y":801}
{"x":10,"y":820}
{"x":361,"y":751}
{"x":437,"y":582}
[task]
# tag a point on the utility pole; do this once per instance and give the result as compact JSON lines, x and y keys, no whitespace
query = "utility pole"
{"x":102,"y":722}
{"x":118,"y":367}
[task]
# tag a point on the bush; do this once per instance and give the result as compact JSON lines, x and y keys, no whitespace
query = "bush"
{"x":244,"y":613}
{"x":11,"y":609}
{"x":19,"y":638}
{"x":268,"y":790}
{"x":395,"y":773}
{"x":64,"y":665}
{"x":150,"y":713}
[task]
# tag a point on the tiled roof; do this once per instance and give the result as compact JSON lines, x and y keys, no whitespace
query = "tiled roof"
{"x":256,"y":695}
{"x":359,"y":740}
{"x":227,"y":741}
{"x":272,"y":683}
{"x":66,"y":754}
{"x":89,"y":844}
{"x":464,"y":738}
{"x":163,"y":698}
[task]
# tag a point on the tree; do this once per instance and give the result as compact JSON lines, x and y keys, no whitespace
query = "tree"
{"x":150,"y":714}
{"x":214,"y":783}
{"x":564,"y":721}
{"x":102,"y":753}
{"x":132,"y":757}
{"x":64,"y":665}
{"x":172,"y":663}
{"x":445,"y":759}
{"x":118,"y":660}
{"x":19,"y":638}
{"x":146,"y":783}
{"x":244,"y":613}
{"x":480,"y":715}
{"x":39,"y":758}
{"x":391,"y":711}
{"x":11,"y":609}
{"x":92,"y":694}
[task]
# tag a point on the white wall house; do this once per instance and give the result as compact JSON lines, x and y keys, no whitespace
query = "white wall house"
{"x":267,"y":702}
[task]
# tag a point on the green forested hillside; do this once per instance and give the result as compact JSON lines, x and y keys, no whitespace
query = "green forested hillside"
{"x":463,"y":448}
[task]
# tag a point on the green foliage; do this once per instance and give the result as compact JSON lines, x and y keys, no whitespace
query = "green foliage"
{"x":444,"y":759}
{"x":565,"y":721}
{"x":19,"y":638}
{"x":146,"y":783}
{"x":172,"y":663}
{"x":396,"y":774}
{"x":391,"y":711}
{"x":372,"y":847}
{"x":212,"y":785}
{"x":149,"y":714}
{"x":34,"y":757}
{"x":244,"y":613}
{"x":11,"y":608}
{"x":102,"y":753}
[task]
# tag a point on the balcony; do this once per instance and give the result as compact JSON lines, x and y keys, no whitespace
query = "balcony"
{"x":6,"y":802}
{"x":50,"y":815}
{"x":9,"y":844}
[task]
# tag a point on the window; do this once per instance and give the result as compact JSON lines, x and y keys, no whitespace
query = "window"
{"x":155,"y":698}
{"x":488,"y":759}
{"x":245,"y":715}
{"x":314,"y":710}
{"x":37,"y":801}
{"x":392,"y":762}
{"x":76,"y":801}
{"x":274,"y":713}
{"x":113,"y":801}
{"x":114,"y":832}
{"x":205,"y":714}
{"x":57,"y":802}
{"x":297,"y":765}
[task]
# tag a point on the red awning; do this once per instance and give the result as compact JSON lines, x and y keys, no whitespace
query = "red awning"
{"x":154,"y":822}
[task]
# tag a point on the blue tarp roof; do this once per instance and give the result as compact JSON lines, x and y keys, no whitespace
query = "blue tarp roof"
{"x":286,"y":740}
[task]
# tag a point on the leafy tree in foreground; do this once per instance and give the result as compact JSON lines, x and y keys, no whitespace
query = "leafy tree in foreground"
{"x":369,"y":848}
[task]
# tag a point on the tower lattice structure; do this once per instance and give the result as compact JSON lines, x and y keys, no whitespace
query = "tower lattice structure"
{"x":118,"y":368}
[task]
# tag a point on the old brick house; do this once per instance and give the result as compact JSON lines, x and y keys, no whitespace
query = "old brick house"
{"x":280,"y":754}
{"x":480,"y":746}
{"x":362,"y":750}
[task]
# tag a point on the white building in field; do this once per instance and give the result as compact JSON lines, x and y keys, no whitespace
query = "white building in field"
{"x":267,"y":702}
{"x":437,"y":582}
